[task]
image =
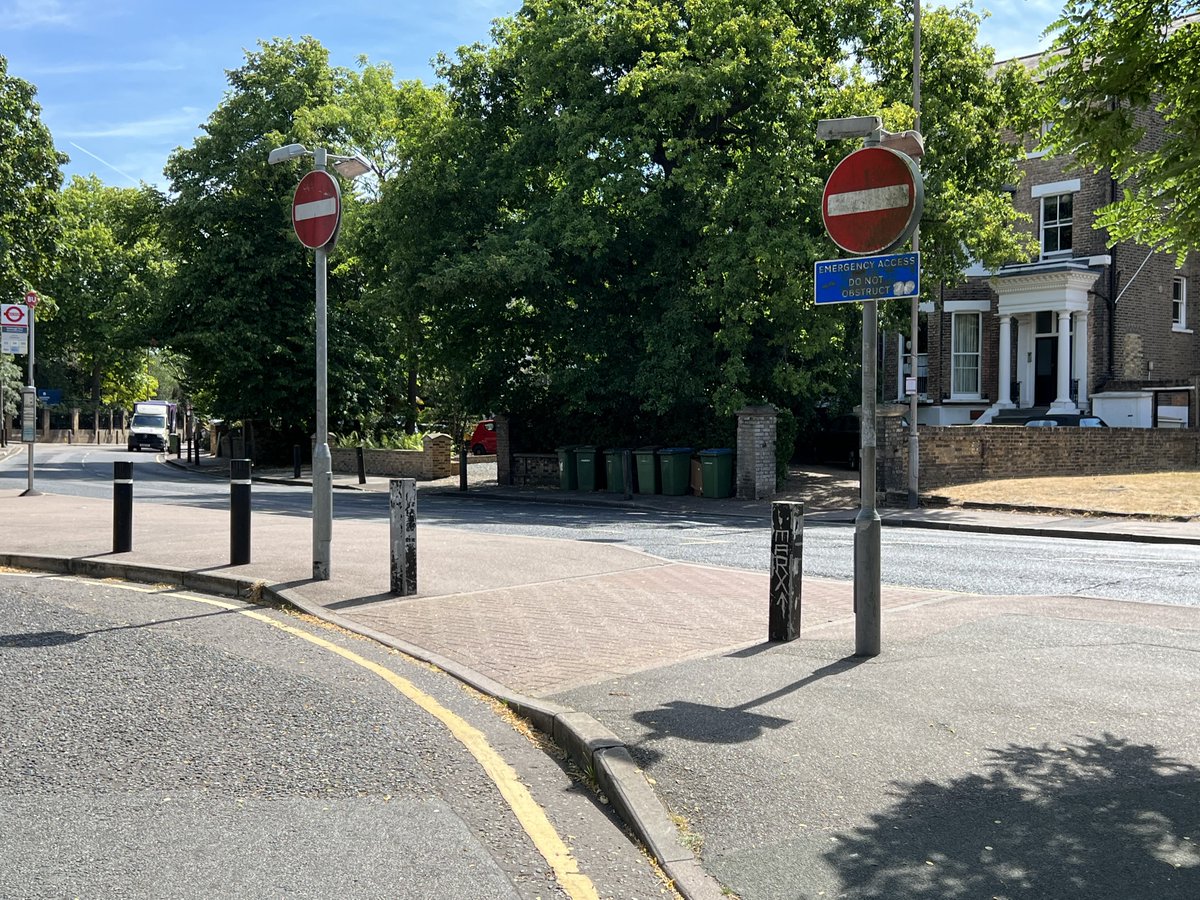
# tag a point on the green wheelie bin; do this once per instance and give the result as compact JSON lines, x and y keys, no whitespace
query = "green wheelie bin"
{"x":587,"y":462}
{"x":716,"y":467}
{"x":675,"y":465}
{"x":649,"y":478}
{"x":568,"y":473}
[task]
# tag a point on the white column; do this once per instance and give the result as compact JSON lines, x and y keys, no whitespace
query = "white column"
{"x":1062,"y":403}
{"x":1081,"y":357}
{"x":1005,"y":393}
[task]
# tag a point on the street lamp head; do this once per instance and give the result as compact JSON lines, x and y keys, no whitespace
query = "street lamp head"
{"x":350,"y":166}
{"x":286,"y":153}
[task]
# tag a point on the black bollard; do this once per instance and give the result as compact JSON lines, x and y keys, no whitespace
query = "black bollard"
{"x":462,"y":466}
{"x":122,"y":507}
{"x":627,"y":473}
{"x":787,"y":556}
{"x":295,"y":460}
{"x":196,"y":443}
{"x":362,"y":466}
{"x":239,"y":512}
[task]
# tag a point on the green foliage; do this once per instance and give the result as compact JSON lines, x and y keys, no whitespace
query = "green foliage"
{"x":13,"y":380}
{"x":108,"y":274}
{"x":29,"y":180}
{"x":395,"y":440}
{"x":1114,"y":66}
{"x":240,"y":306}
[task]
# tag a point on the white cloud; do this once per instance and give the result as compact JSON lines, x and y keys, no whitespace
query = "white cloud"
{"x":20,"y":14}
{"x":91,"y":68}
{"x":186,"y":120}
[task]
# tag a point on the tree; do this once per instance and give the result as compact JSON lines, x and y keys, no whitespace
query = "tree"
{"x":388,"y":122}
{"x":240,"y":306}
{"x":620,"y":220}
{"x":1114,"y":67}
{"x":109,"y":271}
{"x":29,"y":179}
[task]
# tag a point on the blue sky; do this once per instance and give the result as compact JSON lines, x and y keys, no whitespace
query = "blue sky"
{"x":122,"y":83}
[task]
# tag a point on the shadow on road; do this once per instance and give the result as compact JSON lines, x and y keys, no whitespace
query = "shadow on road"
{"x":1102,"y":818}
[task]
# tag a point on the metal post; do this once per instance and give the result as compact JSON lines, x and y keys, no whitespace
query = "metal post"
{"x":914,"y":448}
{"x":462,"y":465}
{"x":31,"y":436}
{"x":322,"y":464}
{"x":867,"y":524}
{"x":627,"y":473}
{"x":402,"y":501}
{"x":196,"y":440}
{"x":239,"y":512}
{"x":360,"y":457}
{"x":295,"y":460}
{"x":787,"y":557}
{"x":122,"y":507}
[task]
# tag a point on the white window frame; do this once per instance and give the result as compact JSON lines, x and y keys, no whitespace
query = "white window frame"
{"x":958,"y":321}
{"x":1179,"y":319}
{"x":1059,"y":224}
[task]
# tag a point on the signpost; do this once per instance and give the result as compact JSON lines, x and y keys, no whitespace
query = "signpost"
{"x":29,"y":400}
{"x":317,"y":209}
{"x":871,"y":204}
{"x":872,"y":200}
{"x":868,"y":278}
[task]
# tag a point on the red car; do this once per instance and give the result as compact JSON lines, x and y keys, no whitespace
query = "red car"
{"x":483,"y":440}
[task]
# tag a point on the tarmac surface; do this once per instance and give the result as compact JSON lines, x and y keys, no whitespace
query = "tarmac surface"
{"x":999,"y":747}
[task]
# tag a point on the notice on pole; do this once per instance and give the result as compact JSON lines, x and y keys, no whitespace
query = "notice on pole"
{"x":14,"y":329}
{"x":28,"y":414}
{"x":888,"y":277}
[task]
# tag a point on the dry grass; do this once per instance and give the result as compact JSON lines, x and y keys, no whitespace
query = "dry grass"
{"x":1159,"y":494}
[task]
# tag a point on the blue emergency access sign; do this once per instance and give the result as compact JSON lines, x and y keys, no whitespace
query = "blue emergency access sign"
{"x":888,"y":277}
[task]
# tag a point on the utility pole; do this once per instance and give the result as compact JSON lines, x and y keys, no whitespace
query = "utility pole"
{"x":914,"y":448}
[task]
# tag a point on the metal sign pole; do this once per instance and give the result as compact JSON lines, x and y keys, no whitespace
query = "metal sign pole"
{"x":868,"y":527}
{"x":322,"y":464}
{"x":914,"y":451}
{"x":31,"y":394}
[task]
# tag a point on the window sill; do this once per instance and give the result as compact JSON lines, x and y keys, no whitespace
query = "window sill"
{"x":1180,"y":329}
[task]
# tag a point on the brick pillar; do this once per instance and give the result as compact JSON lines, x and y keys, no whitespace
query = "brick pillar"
{"x":756,"y":452}
{"x":503,"y":452}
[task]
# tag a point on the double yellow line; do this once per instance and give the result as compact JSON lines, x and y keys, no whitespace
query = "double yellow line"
{"x":531,"y":816}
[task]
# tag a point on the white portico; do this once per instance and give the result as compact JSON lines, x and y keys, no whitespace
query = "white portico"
{"x":1047,"y":306}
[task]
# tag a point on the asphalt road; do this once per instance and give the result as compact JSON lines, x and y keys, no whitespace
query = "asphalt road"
{"x":979,"y":563}
{"x":166,"y":744}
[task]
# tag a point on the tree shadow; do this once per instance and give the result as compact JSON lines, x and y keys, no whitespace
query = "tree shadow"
{"x":1105,"y":818}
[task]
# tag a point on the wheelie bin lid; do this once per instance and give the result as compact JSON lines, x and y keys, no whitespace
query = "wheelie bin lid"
{"x":665,"y":451}
{"x":717,"y":451}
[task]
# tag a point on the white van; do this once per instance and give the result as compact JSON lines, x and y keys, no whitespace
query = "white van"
{"x":150,"y":426}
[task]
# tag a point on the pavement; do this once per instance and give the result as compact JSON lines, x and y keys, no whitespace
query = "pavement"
{"x":999,"y":746}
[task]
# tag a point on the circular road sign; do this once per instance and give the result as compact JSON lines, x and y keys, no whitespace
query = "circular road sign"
{"x":872,"y":200}
{"x":15,"y":315}
{"x":317,"y":209}
{"x":31,"y":298}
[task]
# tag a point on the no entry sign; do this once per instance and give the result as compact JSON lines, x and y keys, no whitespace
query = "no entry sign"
{"x":872,"y":201}
{"x":317,"y":209}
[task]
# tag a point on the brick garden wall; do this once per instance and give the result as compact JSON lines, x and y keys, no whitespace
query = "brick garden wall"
{"x":433,"y":462}
{"x":534,"y":470}
{"x":960,"y":455}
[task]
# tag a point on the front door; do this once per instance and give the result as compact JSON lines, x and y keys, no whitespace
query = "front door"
{"x":1045,"y":371}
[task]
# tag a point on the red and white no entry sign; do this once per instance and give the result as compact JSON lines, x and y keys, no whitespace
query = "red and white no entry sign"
{"x":317,"y":209}
{"x":872,"y":200}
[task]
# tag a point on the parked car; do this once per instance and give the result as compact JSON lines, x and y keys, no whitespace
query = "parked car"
{"x":483,"y":439}
{"x":1053,"y":421}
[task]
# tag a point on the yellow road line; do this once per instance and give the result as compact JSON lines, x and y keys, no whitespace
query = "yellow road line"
{"x":531,"y":816}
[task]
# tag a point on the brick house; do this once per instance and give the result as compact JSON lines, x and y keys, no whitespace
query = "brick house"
{"x":1083,"y":328}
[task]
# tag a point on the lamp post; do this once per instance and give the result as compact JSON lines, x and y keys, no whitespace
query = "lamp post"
{"x":316,"y":216}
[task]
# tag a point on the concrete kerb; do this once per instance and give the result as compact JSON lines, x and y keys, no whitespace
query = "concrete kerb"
{"x":591,"y":746}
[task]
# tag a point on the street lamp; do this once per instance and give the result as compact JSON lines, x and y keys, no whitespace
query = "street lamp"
{"x":322,"y":465}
